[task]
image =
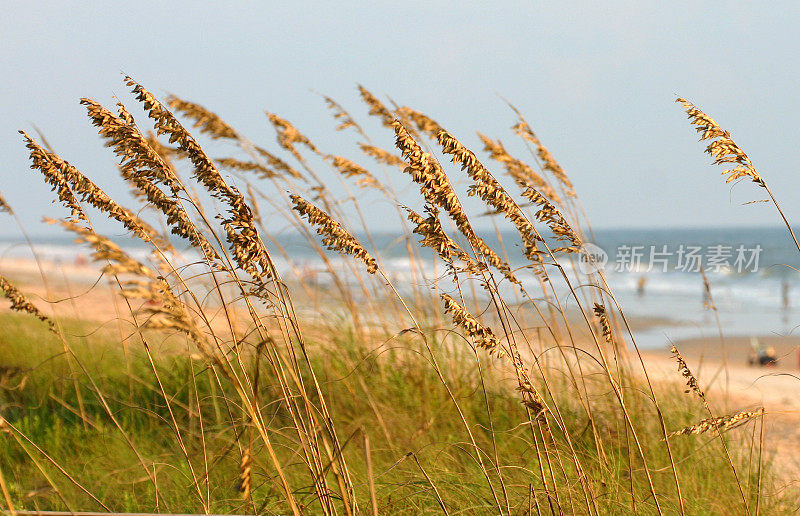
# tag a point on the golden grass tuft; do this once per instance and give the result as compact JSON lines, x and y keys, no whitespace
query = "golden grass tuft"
{"x":335,"y":236}
{"x":4,"y":206}
{"x":719,"y":424}
{"x":482,"y":335}
{"x":691,"y":381}
{"x":20,"y":303}
{"x":721,"y":146}
{"x":209,"y":123}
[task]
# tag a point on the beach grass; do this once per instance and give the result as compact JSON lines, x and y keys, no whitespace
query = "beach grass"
{"x":228,"y":384}
{"x":399,"y":409}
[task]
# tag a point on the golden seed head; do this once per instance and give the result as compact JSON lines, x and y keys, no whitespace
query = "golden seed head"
{"x":353,"y":170}
{"x":721,"y":146}
{"x":383,"y":156}
{"x":376,"y":107}
{"x":209,"y":123}
{"x":691,"y":381}
{"x":4,"y":206}
{"x":605,"y":326}
{"x":483,"y":335}
{"x":20,"y":303}
{"x":336,"y":238}
{"x":549,"y":163}
{"x":341,"y":115}
{"x":720,"y":423}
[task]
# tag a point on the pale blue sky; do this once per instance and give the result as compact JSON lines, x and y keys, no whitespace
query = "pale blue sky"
{"x":597,"y":81}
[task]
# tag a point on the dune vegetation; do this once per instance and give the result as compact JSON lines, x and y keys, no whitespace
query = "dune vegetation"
{"x":231,"y":380}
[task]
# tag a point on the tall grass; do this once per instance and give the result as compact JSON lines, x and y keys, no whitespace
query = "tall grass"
{"x":234,"y":384}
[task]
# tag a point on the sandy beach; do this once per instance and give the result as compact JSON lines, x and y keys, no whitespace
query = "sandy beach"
{"x":737,"y":386}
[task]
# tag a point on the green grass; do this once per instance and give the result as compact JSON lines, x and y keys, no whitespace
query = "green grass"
{"x":394,"y":397}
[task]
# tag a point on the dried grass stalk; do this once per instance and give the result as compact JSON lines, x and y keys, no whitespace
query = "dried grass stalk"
{"x":383,"y":156}
{"x":423,"y":122}
{"x":209,"y":123}
{"x":247,"y":166}
{"x":605,"y":326}
{"x":4,"y":206}
{"x":336,"y":238}
{"x":720,"y":423}
{"x":523,"y":174}
{"x":551,"y":216}
{"x":437,"y":190}
{"x":245,"y":484}
{"x":144,"y":167}
{"x":492,"y":193}
{"x":376,"y":107}
{"x":549,"y":163}
{"x":68,"y":181}
{"x":721,"y":146}
{"x":353,"y":170}
{"x":288,"y":136}
{"x":435,"y":237}
{"x":691,"y":381}
{"x":163,"y":310}
{"x":20,"y":303}
{"x":341,"y":115}
{"x":484,"y":338}
{"x":482,"y":335}
{"x":278,"y":164}
{"x":244,"y":242}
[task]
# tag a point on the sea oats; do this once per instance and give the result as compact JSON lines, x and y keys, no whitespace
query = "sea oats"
{"x":145,"y":168}
{"x":104,"y":250}
{"x":492,"y":192}
{"x":69,"y":181}
{"x":691,"y":381}
{"x":523,"y":174}
{"x":243,"y":239}
{"x":350,"y":169}
{"x":721,"y":146}
{"x":605,"y":326}
{"x":383,"y":156}
{"x":278,"y":164}
{"x":435,"y":187}
{"x":483,"y":335}
{"x":288,"y":136}
{"x":54,"y":177}
{"x":163,"y":310}
{"x":247,"y":166}
{"x":245,"y":484}
{"x":341,"y":115}
{"x":20,"y":303}
{"x":484,"y":338}
{"x":4,"y":206}
{"x":720,"y":423}
{"x":376,"y":107}
{"x":209,"y":123}
{"x":549,"y":163}
{"x":434,"y":237}
{"x":551,"y":216}
{"x":423,"y":122}
{"x":336,"y":238}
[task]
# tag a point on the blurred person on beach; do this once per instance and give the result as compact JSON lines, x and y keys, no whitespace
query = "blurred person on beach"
{"x":761,"y":356}
{"x":640,"y":285}
{"x":785,"y":294}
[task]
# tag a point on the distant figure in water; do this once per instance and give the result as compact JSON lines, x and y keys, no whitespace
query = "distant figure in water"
{"x":640,"y":285}
{"x":761,"y":356}
{"x":707,"y":302}
{"x":785,"y":294}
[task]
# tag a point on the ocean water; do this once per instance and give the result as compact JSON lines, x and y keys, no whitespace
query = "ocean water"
{"x":752,"y":273}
